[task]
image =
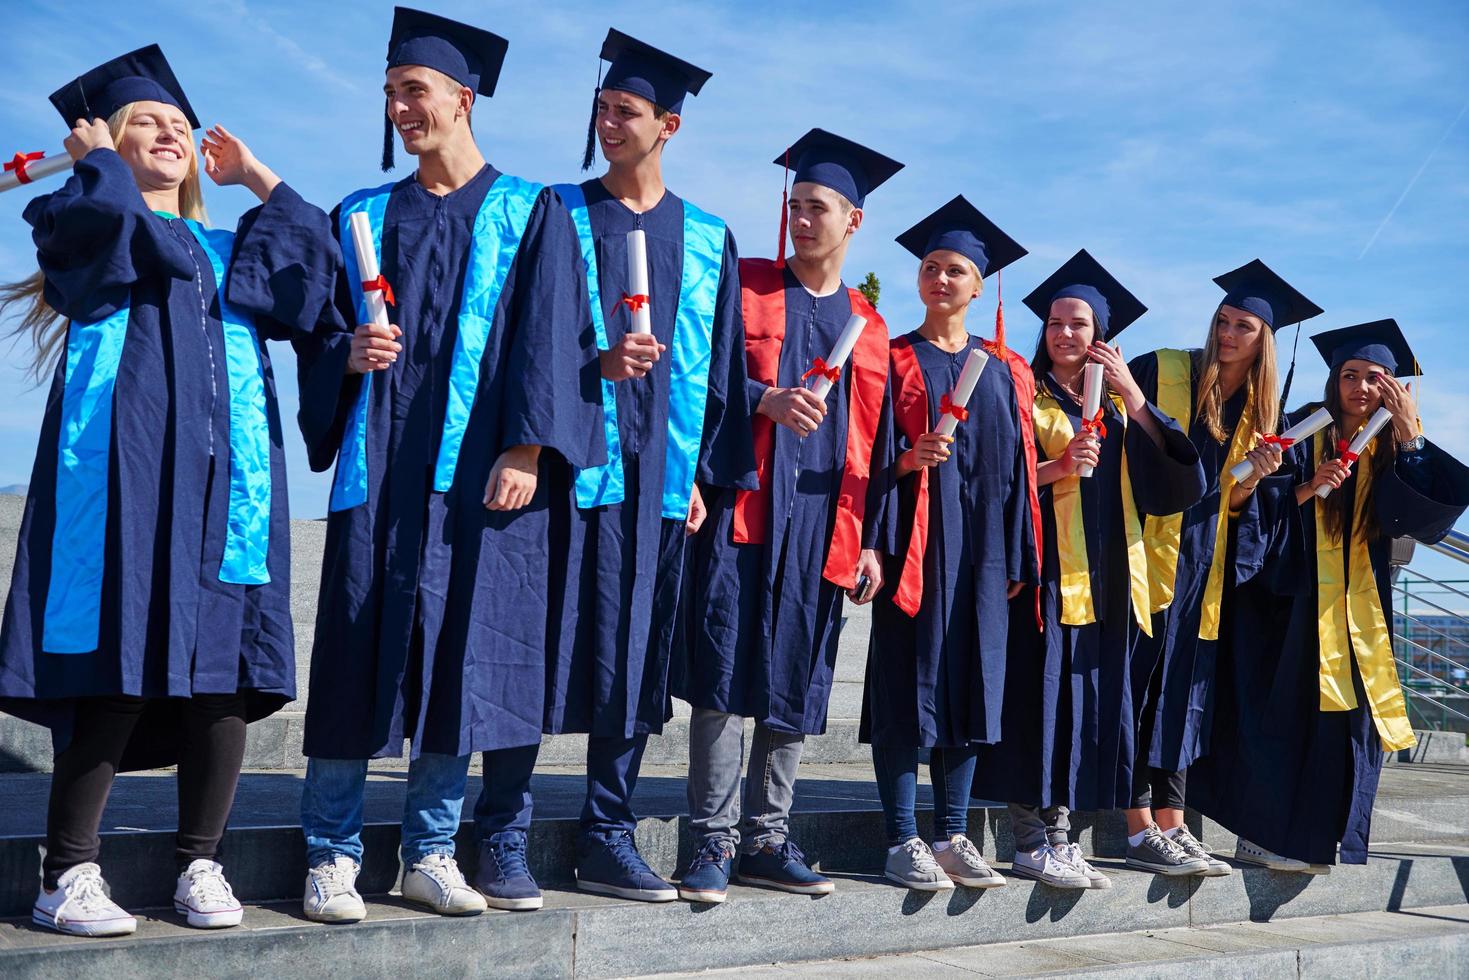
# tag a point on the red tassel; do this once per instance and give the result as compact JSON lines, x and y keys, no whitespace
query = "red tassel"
{"x":785,"y":213}
{"x":999,"y":313}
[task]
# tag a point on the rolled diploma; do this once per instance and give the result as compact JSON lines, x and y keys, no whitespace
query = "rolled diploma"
{"x":1091,"y":400}
{"x":840,"y":353}
{"x":637,"y":277}
{"x":1374,"y":425}
{"x":367,"y":267}
{"x":1304,"y":429}
{"x":963,"y":388}
{"x":36,"y":170}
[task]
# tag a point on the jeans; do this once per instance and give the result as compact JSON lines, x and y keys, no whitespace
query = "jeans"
{"x":951,"y":771}
{"x":504,"y":799}
{"x":612,"y":776}
{"x":716,"y":757}
{"x":1034,"y":826}
{"x":331,"y":807}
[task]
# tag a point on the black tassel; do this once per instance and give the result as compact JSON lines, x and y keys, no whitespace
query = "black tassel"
{"x":1291,"y":374}
{"x":591,"y":151}
{"x":387,"y":144}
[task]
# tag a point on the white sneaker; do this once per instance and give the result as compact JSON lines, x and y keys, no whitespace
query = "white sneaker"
{"x":437,"y":882}
{"x":1252,"y":853}
{"x":80,"y":907}
{"x":1071,"y":853}
{"x":331,"y":892}
{"x":206,"y":898}
{"x":1046,"y":865}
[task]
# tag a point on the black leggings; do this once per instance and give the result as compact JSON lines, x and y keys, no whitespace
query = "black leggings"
{"x":212,"y":751}
{"x":1159,"y":789}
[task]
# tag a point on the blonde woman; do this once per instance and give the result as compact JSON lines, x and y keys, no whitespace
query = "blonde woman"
{"x":1226,"y":398}
{"x":149,"y":618}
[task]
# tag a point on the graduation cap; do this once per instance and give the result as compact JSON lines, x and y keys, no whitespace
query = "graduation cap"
{"x":1084,"y":278}
{"x":469,"y":55}
{"x":847,"y":167}
{"x":1380,"y":342}
{"x":143,"y":75}
{"x":1254,"y":288}
{"x":643,"y":70}
{"x":960,"y":227}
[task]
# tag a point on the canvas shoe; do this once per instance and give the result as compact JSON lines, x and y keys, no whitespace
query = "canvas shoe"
{"x":1160,"y":855}
{"x":784,"y":868}
{"x":205,"y":897}
{"x":436,"y":882}
{"x":912,"y":866}
{"x":1071,"y":853}
{"x":503,"y":877}
{"x":964,"y":865}
{"x":1194,"y":848}
{"x":707,"y":879}
{"x":1252,"y":853}
{"x":331,"y":892}
{"x":1046,"y":865}
{"x":611,"y":865}
{"x":80,"y":906}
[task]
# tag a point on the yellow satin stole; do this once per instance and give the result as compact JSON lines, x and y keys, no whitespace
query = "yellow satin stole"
{"x":1350,"y":620}
{"x":1054,"y":432}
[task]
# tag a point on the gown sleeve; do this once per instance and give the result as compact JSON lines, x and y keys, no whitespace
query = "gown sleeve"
{"x":285,"y":267}
{"x":1165,"y":479}
{"x":326,"y":391}
{"x":556,"y":401}
{"x":1422,"y":494}
{"x":96,"y":237}
{"x":727,"y":451}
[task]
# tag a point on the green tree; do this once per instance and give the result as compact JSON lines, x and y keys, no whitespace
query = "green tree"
{"x":871,"y":288}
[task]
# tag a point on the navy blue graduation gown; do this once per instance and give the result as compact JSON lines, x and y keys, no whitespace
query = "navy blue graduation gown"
{"x":1283,"y":773}
{"x":613,"y":599}
{"x":759,"y":628}
{"x":1069,"y":721}
{"x":431,"y":620}
{"x":168,"y":627}
{"x":937,"y":679}
{"x":1173,"y":670}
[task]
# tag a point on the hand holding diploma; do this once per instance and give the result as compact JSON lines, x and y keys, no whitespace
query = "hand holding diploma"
{"x":1091,"y":410}
{"x":374,"y":344}
{"x":1351,"y":452}
{"x":637,"y":278}
{"x":1304,"y":429}
{"x":828,"y":371}
{"x":631,"y":357}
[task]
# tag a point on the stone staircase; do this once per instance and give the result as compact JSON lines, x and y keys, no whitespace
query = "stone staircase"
{"x":1403,"y":913}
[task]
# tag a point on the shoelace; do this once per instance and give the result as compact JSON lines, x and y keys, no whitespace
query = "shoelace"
{"x":509,"y":854}
{"x":788,"y":852}
{"x":87,"y":892}
{"x":442,"y":869}
{"x":625,"y":852}
{"x":712,"y":852}
{"x":1190,"y":844}
{"x":921,"y":856}
{"x":1072,"y":853}
{"x":1169,"y":847}
{"x":333,"y":879}
{"x":964,"y":847}
{"x":209,"y":887}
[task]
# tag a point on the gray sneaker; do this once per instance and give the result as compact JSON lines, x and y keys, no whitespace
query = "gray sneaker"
{"x":1160,"y":855}
{"x":962,"y":862}
{"x":1095,"y":879}
{"x":1194,"y":848}
{"x":912,"y":866}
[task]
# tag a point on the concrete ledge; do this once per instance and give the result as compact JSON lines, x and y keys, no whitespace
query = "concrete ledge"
{"x":586,"y":937}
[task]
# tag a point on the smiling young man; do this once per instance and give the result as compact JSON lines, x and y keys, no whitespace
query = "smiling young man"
{"x":676,"y":420}
{"x":446,"y":428}
{"x":766,"y":575}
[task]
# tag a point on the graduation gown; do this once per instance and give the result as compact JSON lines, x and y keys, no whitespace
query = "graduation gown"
{"x":613,"y":598}
{"x":168,"y":626}
{"x":1069,"y":722}
{"x":1283,"y":773}
{"x":937,"y":679}
{"x":1173,"y":670}
{"x":432,"y":611}
{"x":760,"y":623}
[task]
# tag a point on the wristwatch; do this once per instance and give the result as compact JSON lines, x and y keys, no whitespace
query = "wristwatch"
{"x":1412,"y":445}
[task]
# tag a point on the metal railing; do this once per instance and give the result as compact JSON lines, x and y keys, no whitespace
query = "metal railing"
{"x":1440,"y":670}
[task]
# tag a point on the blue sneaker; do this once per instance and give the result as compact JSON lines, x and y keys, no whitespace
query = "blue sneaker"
{"x":707,"y":879}
{"x":503,"y":877}
{"x":783,"y":867}
{"x":610,"y":864}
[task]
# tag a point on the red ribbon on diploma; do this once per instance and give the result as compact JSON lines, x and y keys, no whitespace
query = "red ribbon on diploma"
{"x":1284,"y":442}
{"x":1347,"y":456}
{"x":635,"y":302}
{"x":818,"y":366}
{"x":380,"y":285}
{"x":1095,"y":425}
{"x":17,"y":165}
{"x":947,"y":407}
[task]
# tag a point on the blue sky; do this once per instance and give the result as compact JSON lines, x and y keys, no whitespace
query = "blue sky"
{"x":1173,"y":141}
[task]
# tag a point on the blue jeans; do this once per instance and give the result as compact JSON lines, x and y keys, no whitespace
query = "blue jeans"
{"x":331,"y":807}
{"x":505,"y":800}
{"x":950,"y":770}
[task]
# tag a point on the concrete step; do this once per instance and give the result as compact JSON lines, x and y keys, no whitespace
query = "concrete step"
{"x":588,"y":937}
{"x":837,"y":820}
{"x":1431,"y":942}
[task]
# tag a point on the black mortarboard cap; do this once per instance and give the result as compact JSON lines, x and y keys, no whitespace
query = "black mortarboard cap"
{"x":143,"y":75}
{"x":959,"y":226}
{"x":1084,"y":278}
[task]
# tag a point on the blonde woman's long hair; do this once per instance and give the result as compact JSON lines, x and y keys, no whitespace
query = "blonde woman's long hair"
{"x":1262,"y":385}
{"x":43,"y":326}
